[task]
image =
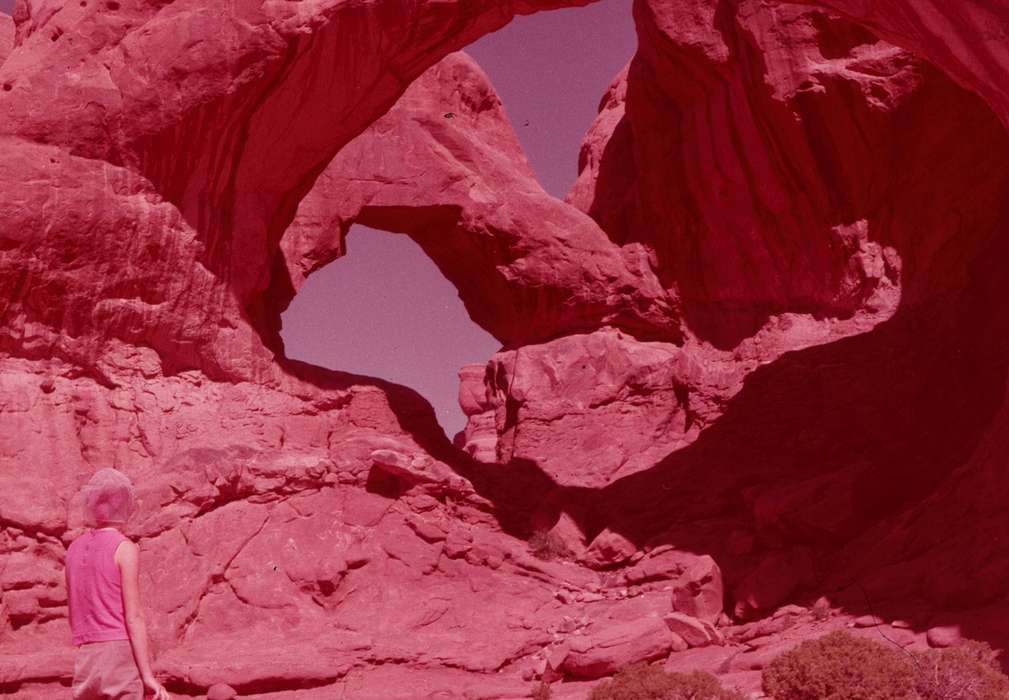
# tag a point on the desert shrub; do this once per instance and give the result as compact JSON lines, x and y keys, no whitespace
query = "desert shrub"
{"x":969,"y":671}
{"x":546,"y":545}
{"x":645,"y":682}
{"x":840,"y":666}
{"x":821,"y":609}
{"x":541,"y":691}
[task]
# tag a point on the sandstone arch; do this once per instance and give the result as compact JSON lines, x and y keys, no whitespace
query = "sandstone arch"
{"x":145,"y":199}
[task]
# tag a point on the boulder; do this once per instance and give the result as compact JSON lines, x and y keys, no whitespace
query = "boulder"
{"x":698,"y":592}
{"x":572,"y":395}
{"x":943,"y":636}
{"x":696,"y":633}
{"x":608,"y":549}
{"x":606,"y":651}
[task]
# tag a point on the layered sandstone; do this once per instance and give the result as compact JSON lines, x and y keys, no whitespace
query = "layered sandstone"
{"x":757,"y":356}
{"x":528,"y":267}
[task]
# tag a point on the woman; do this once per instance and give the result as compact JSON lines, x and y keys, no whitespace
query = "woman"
{"x":106,"y":617}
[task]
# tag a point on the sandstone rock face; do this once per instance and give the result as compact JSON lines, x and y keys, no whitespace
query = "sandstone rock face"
{"x":6,"y":36}
{"x":773,"y":582}
{"x":727,"y":195}
{"x":703,"y":186}
{"x":619,"y":404}
{"x":777,"y":229}
{"x":192,"y":170}
{"x":980,"y":65}
{"x":527,"y":266}
{"x":761,"y":348}
{"x":617,"y":647}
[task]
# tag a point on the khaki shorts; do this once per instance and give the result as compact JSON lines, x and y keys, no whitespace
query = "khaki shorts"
{"x":106,"y":671}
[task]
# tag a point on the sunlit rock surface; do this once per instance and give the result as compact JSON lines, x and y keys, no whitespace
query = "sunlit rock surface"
{"x":759,"y":352}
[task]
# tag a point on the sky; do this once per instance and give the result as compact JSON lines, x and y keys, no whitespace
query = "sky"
{"x":7,"y":6}
{"x":384,"y":310}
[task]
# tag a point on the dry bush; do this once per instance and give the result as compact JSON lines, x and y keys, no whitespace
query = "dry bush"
{"x":645,"y":682}
{"x":548,"y":546}
{"x":541,"y":691}
{"x":840,"y":666}
{"x":969,"y":671}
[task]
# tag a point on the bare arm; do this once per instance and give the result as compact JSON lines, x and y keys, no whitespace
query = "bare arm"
{"x":66,"y":582}
{"x":127,"y":557}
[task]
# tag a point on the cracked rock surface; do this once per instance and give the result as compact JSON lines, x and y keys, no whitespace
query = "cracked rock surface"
{"x":752,"y":379}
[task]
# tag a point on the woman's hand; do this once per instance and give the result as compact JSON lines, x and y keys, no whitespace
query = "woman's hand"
{"x":155,"y":689}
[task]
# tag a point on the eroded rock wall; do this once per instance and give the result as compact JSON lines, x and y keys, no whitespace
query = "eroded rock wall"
{"x":757,"y":356}
{"x":177,"y":119}
{"x":528,"y":267}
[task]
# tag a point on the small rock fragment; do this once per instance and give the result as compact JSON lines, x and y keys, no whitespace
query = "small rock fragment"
{"x":221,"y":691}
{"x":943,"y":636}
{"x":789,"y":610}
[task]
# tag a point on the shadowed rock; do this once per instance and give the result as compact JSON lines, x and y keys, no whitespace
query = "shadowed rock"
{"x":761,"y":349}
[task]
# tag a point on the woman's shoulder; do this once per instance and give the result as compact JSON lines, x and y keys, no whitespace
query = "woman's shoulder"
{"x":126,"y":550}
{"x":99,"y":537}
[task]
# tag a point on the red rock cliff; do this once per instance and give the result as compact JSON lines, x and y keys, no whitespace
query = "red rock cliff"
{"x":758,"y":356}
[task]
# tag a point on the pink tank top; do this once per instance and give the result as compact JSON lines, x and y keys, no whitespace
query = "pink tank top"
{"x":95,"y":588}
